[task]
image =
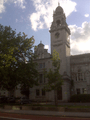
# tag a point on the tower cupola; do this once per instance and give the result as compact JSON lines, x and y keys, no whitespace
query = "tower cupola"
{"x":59,"y":10}
{"x":59,"y":20}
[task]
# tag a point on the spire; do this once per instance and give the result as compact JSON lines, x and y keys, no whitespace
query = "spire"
{"x":53,"y":11}
{"x":58,"y":3}
{"x":40,"y":42}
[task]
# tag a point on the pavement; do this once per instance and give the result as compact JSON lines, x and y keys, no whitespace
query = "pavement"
{"x":49,"y":113}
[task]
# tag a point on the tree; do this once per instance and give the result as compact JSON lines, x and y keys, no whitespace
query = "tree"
{"x":17,"y":64}
{"x":54,"y":78}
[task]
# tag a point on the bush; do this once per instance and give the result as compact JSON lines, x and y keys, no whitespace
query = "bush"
{"x":80,"y":98}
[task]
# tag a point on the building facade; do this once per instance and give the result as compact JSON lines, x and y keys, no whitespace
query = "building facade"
{"x":73,"y":68}
{"x":60,"y":41}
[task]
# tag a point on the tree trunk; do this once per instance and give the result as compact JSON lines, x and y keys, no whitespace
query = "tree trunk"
{"x":55,"y":97}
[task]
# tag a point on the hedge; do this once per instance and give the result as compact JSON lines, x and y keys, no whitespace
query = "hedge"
{"x":80,"y":98}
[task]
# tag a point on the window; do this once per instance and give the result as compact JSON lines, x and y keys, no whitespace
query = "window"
{"x":41,"y":65}
{"x":58,"y":22}
{"x":44,"y":79}
{"x":57,"y":35}
{"x":82,"y":90}
{"x":80,"y":76}
{"x":41,"y":78}
{"x":37,"y":92}
{"x":78,"y":91}
{"x":43,"y":92}
{"x":86,"y":76}
{"x":76,"y":77}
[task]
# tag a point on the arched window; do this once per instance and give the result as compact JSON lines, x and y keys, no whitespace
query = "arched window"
{"x":80,"y":76}
{"x":58,"y":23}
{"x":57,"y":35}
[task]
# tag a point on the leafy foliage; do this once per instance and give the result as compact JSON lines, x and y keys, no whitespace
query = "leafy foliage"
{"x":53,"y":75}
{"x":16,"y":59}
{"x":56,"y":60}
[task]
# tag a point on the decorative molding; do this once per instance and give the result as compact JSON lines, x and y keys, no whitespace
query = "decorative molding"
{"x":57,"y":44}
{"x":58,"y":41}
{"x":60,"y":28}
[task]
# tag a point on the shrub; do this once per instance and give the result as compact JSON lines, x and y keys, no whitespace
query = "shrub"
{"x":80,"y":98}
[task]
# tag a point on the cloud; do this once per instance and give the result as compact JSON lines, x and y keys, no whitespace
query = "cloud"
{"x":2,"y":7}
{"x":46,"y":47}
{"x":16,"y":20}
{"x":42,"y":18}
{"x":19,"y":3}
{"x":80,"y":38}
{"x":86,"y":15}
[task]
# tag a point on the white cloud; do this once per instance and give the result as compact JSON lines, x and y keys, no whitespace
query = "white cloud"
{"x":86,"y":15}
{"x":42,"y":18}
{"x":20,"y":3}
{"x":80,"y":38}
{"x":46,"y":47}
{"x":2,"y":7}
{"x":16,"y":20}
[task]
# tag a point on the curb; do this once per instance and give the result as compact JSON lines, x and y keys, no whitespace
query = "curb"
{"x":50,"y":113}
{"x":13,"y":118}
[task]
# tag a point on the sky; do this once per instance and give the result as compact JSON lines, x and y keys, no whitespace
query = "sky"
{"x":34,"y":18}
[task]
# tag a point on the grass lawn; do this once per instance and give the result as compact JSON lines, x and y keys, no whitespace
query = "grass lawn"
{"x":45,"y":105}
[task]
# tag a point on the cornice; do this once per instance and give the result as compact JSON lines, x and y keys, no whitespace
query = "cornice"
{"x":79,"y":63}
{"x":60,"y":28}
{"x":58,"y":43}
{"x":42,"y":59}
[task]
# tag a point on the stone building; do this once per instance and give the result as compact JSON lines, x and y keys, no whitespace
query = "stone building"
{"x":80,"y":73}
{"x":73,"y":68}
{"x":76,"y":68}
{"x":60,"y":41}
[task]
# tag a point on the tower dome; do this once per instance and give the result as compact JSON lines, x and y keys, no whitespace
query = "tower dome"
{"x":59,"y":10}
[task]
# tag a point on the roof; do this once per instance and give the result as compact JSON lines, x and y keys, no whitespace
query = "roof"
{"x":40,"y":45}
{"x":59,"y":9}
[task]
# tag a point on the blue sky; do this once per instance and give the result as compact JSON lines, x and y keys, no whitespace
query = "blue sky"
{"x":34,"y":17}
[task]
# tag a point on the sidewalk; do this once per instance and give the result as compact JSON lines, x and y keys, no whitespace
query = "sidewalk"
{"x":49,"y":113}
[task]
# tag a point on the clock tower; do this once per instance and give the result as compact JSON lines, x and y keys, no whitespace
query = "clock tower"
{"x":60,"y":41}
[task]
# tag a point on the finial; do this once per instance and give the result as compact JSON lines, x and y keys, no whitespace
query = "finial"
{"x":53,"y":11}
{"x":58,"y":3}
{"x":41,"y":42}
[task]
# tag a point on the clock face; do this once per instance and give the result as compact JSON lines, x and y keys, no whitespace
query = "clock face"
{"x":57,"y":35}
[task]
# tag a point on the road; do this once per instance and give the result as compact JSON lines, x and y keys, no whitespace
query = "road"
{"x":35,"y":117}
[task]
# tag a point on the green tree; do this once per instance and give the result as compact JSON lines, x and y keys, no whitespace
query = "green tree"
{"x":53,"y":75}
{"x":17,"y":64}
